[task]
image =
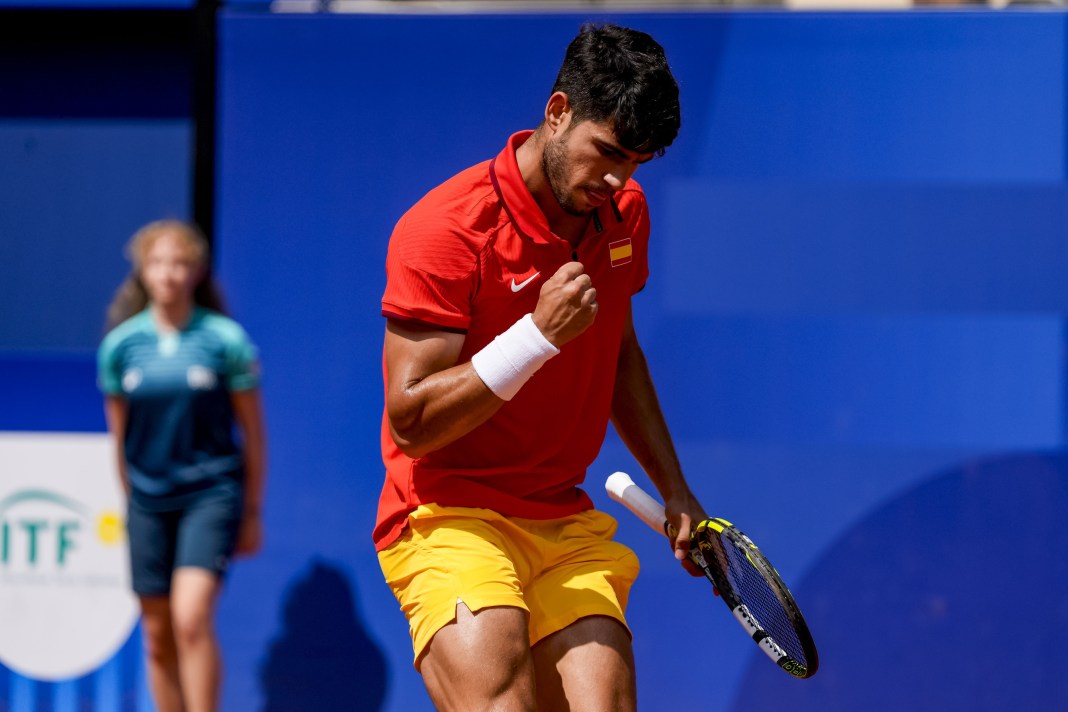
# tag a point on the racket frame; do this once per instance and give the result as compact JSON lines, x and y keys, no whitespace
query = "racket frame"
{"x":622,"y":489}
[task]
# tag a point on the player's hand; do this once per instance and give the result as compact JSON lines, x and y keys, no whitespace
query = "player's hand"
{"x":685,"y":513}
{"x":567,"y":304}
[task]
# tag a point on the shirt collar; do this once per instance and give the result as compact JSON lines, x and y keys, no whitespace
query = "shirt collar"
{"x":518,"y":200}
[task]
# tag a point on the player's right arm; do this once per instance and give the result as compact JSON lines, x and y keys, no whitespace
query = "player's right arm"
{"x":116,"y":412}
{"x":431,"y":400}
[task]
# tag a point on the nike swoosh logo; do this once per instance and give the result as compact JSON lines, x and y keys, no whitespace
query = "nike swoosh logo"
{"x":525,"y":282}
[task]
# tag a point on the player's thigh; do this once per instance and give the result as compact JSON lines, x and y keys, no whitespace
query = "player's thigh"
{"x":586,"y":667}
{"x":446,"y":558}
{"x":481,"y":660}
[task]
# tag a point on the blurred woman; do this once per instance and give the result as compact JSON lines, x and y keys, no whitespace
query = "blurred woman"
{"x":177,"y":376}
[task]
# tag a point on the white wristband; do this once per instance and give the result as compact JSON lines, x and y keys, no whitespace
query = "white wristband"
{"x":507,"y":362}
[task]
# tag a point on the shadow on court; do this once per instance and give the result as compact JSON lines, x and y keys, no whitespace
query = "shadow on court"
{"x":323,"y":658}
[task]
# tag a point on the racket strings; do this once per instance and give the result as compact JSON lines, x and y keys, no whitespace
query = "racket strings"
{"x":758,"y":595}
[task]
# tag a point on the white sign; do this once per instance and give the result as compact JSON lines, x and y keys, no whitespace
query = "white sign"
{"x":65,"y":601}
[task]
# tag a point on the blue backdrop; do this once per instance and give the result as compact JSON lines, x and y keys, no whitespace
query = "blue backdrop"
{"x":855,"y":320}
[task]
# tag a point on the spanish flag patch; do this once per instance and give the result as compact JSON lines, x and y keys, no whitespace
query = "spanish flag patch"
{"x":620,"y":251}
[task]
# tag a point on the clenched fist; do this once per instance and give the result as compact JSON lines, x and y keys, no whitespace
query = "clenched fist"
{"x":567,"y":304}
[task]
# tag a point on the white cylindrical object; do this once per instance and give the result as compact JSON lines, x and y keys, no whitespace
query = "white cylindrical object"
{"x":622,"y":489}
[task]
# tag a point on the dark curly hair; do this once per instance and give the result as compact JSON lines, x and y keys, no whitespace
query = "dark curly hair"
{"x":621,"y":76}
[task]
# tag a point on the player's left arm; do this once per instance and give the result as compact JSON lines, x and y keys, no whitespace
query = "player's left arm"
{"x":248,"y":410}
{"x":640,"y":422}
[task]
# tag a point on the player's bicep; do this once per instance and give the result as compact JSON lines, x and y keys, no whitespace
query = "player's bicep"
{"x":413,"y":355}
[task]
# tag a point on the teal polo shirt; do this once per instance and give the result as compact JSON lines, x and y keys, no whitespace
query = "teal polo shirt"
{"x":180,"y":435}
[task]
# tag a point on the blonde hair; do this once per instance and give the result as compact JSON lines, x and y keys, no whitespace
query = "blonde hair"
{"x":131,"y":296}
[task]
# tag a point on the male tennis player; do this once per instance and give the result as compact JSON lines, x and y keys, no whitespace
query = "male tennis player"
{"x":509,"y":345}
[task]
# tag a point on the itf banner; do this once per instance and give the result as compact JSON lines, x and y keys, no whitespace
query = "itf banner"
{"x":65,"y":600}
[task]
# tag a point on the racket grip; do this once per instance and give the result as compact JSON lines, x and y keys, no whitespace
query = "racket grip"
{"x":622,"y":489}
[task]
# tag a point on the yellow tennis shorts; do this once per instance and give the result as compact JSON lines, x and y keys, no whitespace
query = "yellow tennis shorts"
{"x":558,"y":570}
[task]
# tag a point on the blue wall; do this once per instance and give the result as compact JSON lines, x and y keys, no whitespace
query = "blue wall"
{"x":855,"y":316}
{"x":74,"y":191}
{"x":855,"y":320}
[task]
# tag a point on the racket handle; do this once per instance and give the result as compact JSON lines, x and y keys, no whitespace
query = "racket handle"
{"x":622,"y":489}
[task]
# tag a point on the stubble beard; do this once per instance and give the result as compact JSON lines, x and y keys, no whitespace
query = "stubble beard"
{"x":554,"y":164}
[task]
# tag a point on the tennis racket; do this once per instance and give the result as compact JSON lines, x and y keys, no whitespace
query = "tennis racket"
{"x":746,"y":582}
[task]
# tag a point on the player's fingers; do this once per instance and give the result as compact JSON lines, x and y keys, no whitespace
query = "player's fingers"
{"x":683,"y":553}
{"x":582,"y":283}
{"x":569,"y":271}
{"x":682,"y":539}
{"x":682,"y":545}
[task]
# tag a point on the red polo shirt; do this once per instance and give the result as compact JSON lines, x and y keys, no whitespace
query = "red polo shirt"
{"x":471,"y":256}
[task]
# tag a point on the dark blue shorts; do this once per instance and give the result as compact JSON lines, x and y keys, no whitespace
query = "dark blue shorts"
{"x":202,"y":534}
